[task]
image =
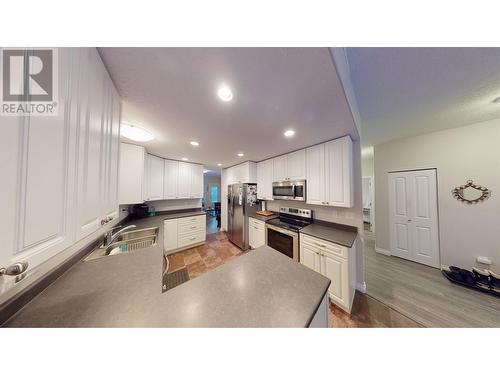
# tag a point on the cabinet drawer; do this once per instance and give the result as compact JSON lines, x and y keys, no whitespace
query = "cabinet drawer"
{"x":195,"y":226}
{"x":192,"y":219}
{"x":191,"y":238}
{"x":258,"y":224}
{"x":322,"y":245}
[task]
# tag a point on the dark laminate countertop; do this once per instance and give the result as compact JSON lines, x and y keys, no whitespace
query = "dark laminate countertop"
{"x":262,"y":217}
{"x":260,"y":289}
{"x":340,"y":234}
{"x":180,"y":213}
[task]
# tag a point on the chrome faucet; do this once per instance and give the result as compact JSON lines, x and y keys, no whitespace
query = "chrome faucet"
{"x":109,"y":236}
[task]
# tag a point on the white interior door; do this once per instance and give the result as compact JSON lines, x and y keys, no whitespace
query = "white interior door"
{"x":413,"y":216}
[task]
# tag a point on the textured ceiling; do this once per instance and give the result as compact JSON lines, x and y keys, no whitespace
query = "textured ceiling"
{"x":402,"y":92}
{"x":172,"y":93}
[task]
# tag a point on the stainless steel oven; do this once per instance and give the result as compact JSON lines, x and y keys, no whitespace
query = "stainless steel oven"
{"x":290,"y":190}
{"x":283,"y":240}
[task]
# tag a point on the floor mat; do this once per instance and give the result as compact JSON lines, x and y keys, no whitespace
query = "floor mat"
{"x":173,"y":279}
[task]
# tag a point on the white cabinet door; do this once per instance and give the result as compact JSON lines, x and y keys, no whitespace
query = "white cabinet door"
{"x":339,"y":184}
{"x":336,"y":269}
{"x":256,"y":233}
{"x":171,"y":178}
{"x":156,"y":168}
{"x":111,"y":203}
{"x":296,"y":165}
{"x":196,"y":186}
{"x":265,"y":180}
{"x":131,"y":177}
{"x":184,"y":184}
{"x":38,"y":169}
{"x":170,"y":234}
{"x":279,"y":168}
{"x":91,"y":152}
{"x":315,"y":157}
{"x":309,"y":257}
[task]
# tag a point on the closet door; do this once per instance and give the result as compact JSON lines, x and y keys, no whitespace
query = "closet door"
{"x":413,"y":220}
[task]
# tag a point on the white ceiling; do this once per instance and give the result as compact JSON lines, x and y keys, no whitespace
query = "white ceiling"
{"x":172,"y":93}
{"x":402,"y":92}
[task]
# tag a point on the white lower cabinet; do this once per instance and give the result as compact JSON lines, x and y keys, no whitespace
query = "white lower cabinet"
{"x":256,"y":233}
{"x":335,"y":262}
{"x":183,"y":233}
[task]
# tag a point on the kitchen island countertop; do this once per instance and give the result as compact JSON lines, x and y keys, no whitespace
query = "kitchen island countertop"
{"x":262,"y":288}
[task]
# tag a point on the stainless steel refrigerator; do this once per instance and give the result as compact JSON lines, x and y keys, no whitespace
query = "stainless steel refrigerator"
{"x":241,"y":202}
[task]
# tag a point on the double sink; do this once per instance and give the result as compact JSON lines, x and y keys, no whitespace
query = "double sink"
{"x":126,"y":242}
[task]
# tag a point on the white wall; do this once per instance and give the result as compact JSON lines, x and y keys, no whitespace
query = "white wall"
{"x":367,"y":166}
{"x":459,"y":154}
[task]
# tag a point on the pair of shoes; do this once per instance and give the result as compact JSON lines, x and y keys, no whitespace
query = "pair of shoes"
{"x":487,"y":279}
{"x":461,"y":275}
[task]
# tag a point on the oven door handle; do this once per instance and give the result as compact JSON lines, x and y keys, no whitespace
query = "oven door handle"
{"x":281,"y":230}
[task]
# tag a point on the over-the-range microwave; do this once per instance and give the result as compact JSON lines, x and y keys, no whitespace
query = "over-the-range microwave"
{"x":290,"y":190}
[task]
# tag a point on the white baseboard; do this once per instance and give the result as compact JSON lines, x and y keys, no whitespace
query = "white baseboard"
{"x":382,"y":251}
{"x":361,"y":287}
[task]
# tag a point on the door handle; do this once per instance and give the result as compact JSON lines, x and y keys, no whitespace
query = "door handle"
{"x":409,"y":220}
{"x":14,"y":269}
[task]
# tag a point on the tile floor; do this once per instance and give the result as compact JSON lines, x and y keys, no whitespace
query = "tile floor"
{"x":366,"y":311}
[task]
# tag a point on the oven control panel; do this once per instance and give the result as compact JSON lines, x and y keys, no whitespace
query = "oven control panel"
{"x":302,"y":212}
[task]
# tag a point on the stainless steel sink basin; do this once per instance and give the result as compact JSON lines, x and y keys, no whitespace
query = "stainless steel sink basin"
{"x":126,"y":242}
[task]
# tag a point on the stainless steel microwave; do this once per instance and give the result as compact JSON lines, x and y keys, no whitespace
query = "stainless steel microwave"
{"x":290,"y":190}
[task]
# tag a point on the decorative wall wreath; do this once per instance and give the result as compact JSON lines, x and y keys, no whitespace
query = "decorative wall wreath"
{"x":482,"y":193}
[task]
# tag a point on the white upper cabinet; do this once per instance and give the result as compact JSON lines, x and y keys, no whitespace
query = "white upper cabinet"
{"x":171,"y":174}
{"x":296,"y":165}
{"x":184,"y":181}
{"x":196,"y":185}
{"x":60,"y":175}
{"x":156,"y":167}
{"x":329,"y":173}
{"x":291,"y":166}
{"x":265,"y":180}
{"x":316,"y":175}
{"x":132,"y":173}
{"x":279,"y":168}
{"x":339,"y":176}
{"x":242,"y":173}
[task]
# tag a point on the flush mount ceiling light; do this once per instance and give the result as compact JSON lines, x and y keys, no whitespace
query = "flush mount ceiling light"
{"x":194,"y":143}
{"x":135,"y":133}
{"x":185,"y":159}
{"x":496,"y":100}
{"x":224,"y":93}
{"x":289,"y":133}
{"x":240,"y":154}
{"x":219,"y":165}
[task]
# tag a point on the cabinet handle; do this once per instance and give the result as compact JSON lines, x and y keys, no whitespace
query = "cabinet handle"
{"x":320,"y":245}
{"x":193,"y":227}
{"x":192,"y":238}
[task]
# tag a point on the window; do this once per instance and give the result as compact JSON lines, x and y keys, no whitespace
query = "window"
{"x":214,"y":193}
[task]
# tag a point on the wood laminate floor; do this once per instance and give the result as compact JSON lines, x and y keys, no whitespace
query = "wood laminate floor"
{"x":423,"y":294}
{"x":366,"y":311}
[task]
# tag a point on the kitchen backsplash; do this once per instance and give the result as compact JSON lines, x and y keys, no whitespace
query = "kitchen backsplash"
{"x":176,"y":204}
{"x":339,"y":215}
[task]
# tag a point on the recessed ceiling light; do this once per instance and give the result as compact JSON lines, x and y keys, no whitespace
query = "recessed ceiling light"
{"x":135,"y":133}
{"x":289,"y":133}
{"x":224,"y":93}
{"x":194,"y":143}
{"x":240,"y":154}
{"x":497,"y":100}
{"x":185,"y":159}
{"x":219,"y":165}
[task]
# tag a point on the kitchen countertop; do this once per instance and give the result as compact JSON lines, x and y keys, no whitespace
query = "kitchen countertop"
{"x":263,"y":218}
{"x":260,"y":289}
{"x":180,"y":213}
{"x":340,"y":234}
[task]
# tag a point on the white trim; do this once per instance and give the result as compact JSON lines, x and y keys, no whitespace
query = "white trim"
{"x":361,"y":287}
{"x":382,"y":251}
